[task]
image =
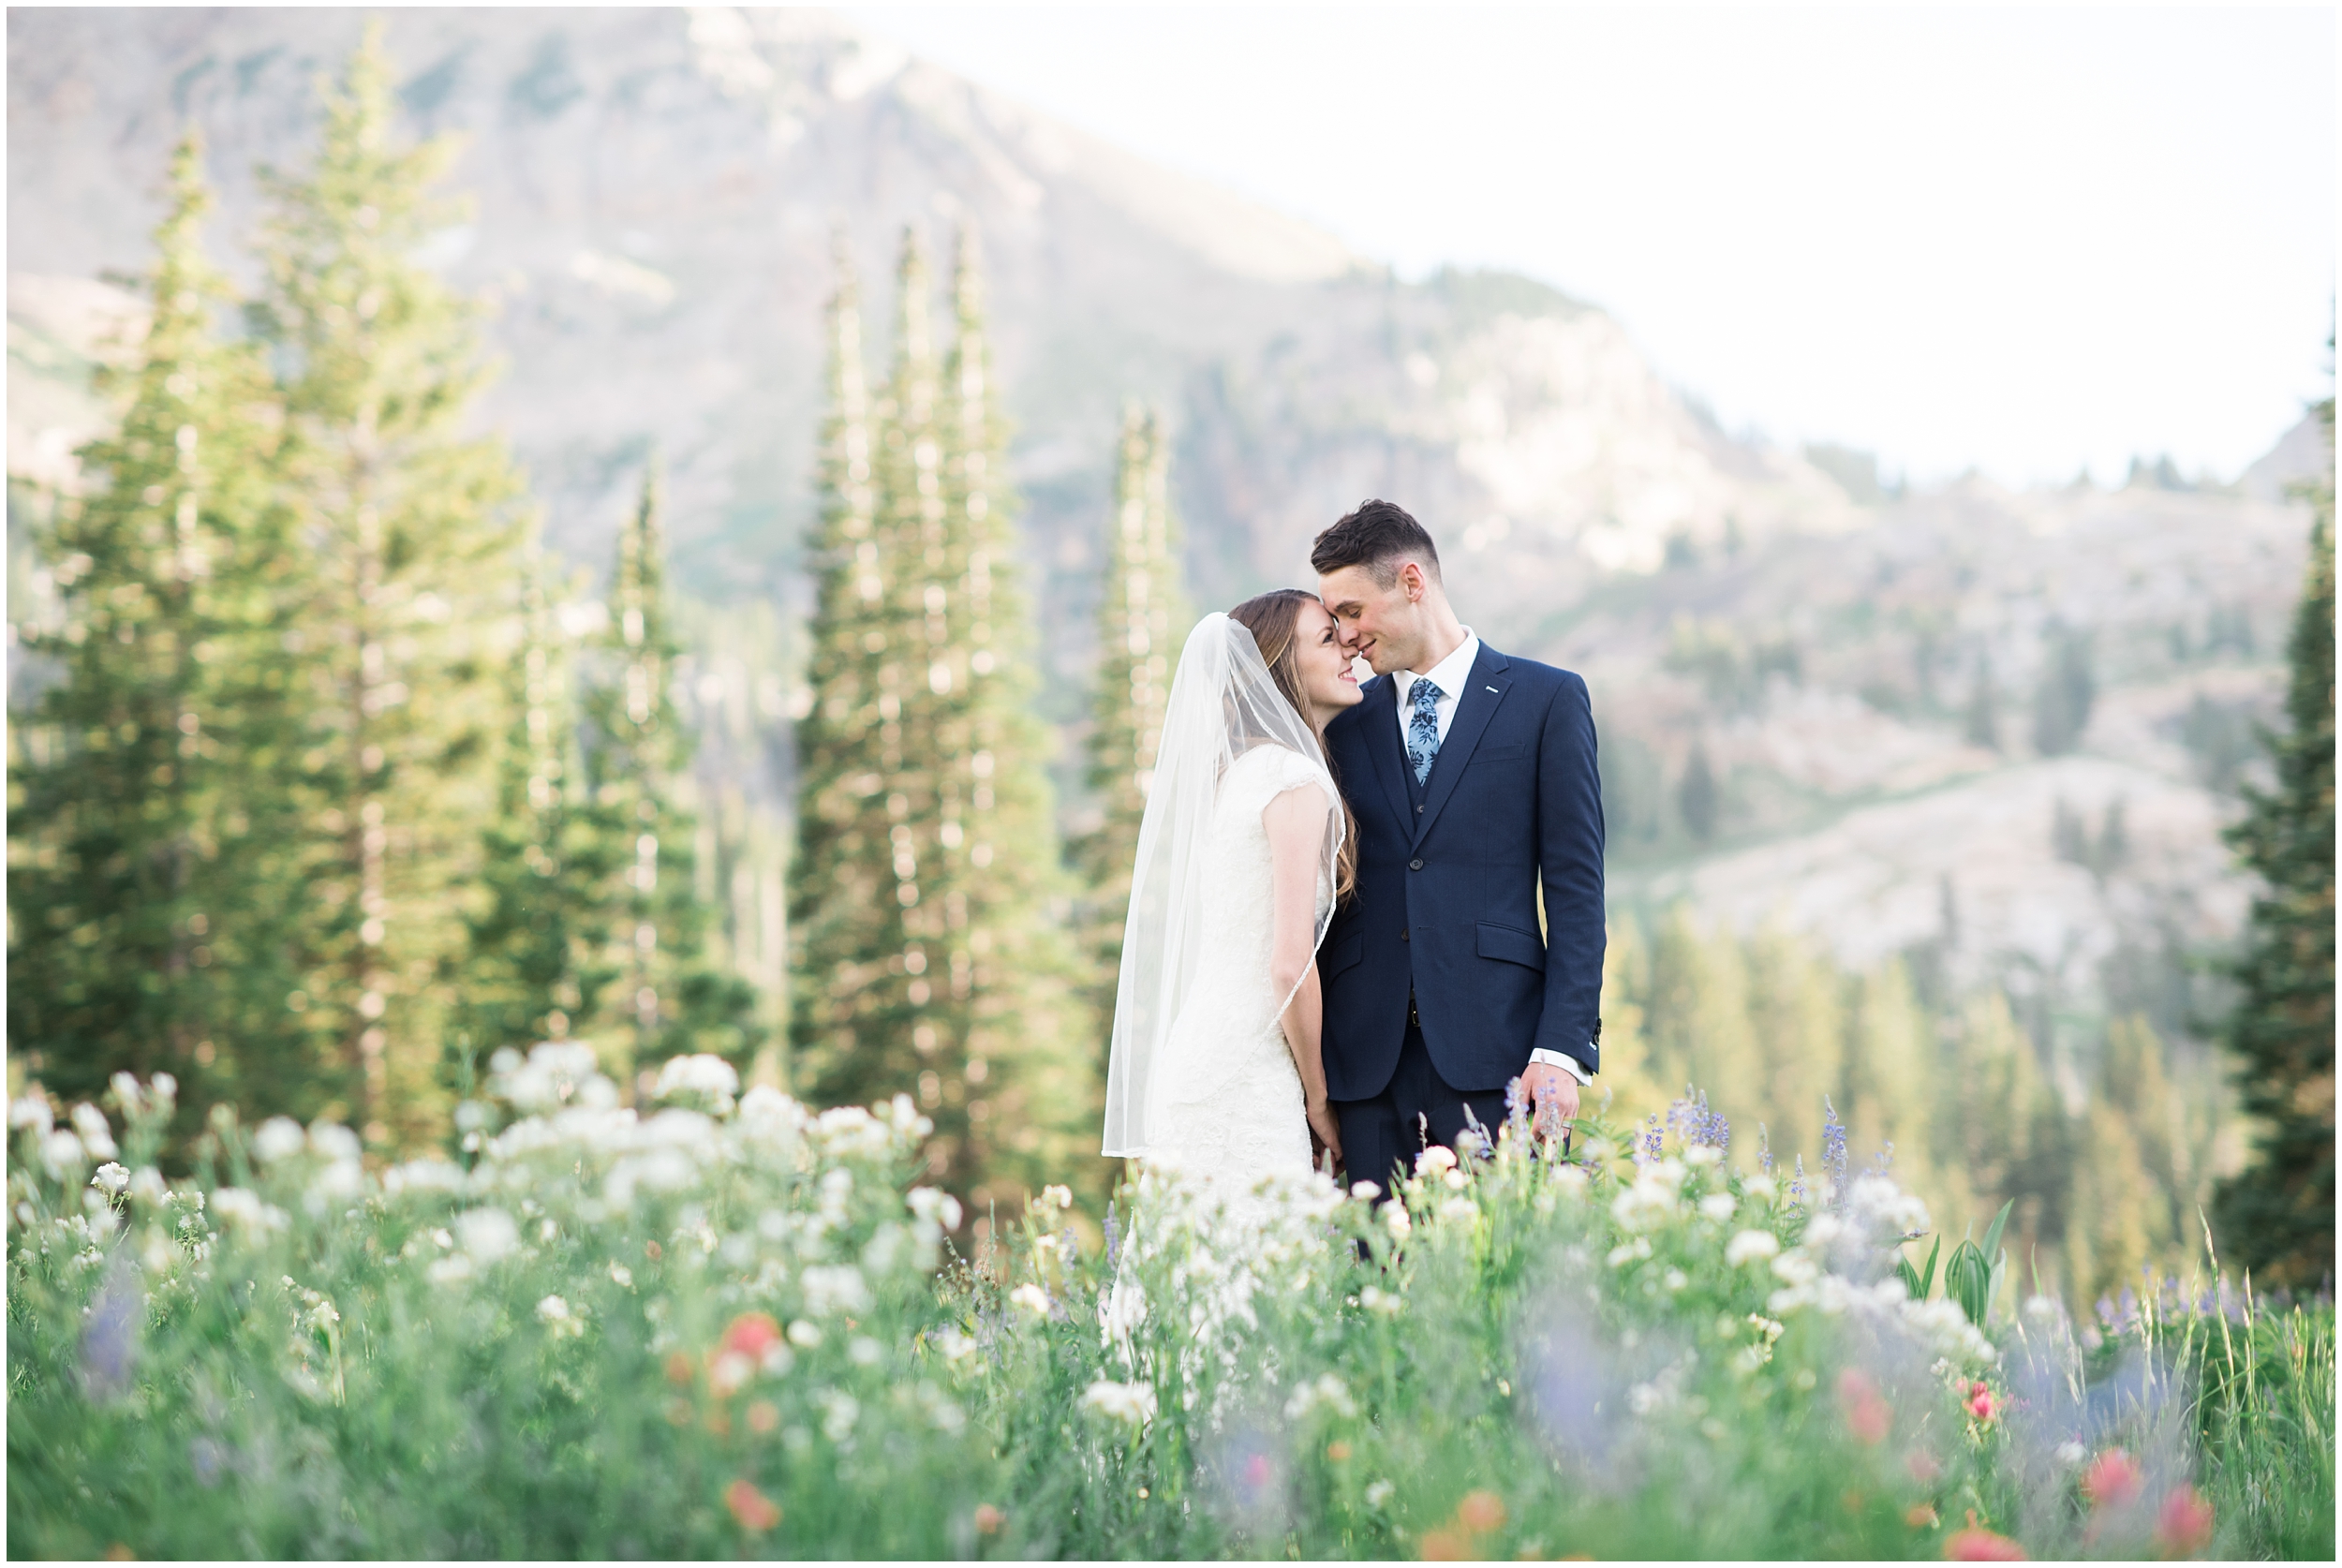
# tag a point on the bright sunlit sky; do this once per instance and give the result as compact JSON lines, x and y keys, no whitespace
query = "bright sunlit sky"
{"x":2024,"y":241}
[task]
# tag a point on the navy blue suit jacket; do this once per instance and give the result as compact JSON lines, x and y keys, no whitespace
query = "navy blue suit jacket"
{"x":1447,"y":895}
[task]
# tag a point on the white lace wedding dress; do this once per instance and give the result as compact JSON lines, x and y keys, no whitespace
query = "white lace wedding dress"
{"x":1225,"y":1101}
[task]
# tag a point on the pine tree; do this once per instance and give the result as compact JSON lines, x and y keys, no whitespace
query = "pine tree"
{"x":1891,"y":1096}
{"x":928,"y":957}
{"x":1797,"y":1002}
{"x":146,"y":886}
{"x":1141,"y":622}
{"x":2277,"y":1217}
{"x":534,"y":968}
{"x":407,"y":528}
{"x":1698,"y":1024}
{"x":843,"y":904}
{"x":638,"y":763}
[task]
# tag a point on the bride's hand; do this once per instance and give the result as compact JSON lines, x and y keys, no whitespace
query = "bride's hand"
{"x":1325,"y":1128}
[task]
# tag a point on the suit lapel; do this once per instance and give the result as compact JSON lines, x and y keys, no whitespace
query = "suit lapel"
{"x":1474,"y":706}
{"x":1378,"y":716}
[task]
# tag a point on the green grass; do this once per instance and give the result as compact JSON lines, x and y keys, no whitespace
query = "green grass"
{"x":720,"y":1330}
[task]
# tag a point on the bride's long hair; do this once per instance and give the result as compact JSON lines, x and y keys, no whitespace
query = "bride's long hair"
{"x":1274,"y":619}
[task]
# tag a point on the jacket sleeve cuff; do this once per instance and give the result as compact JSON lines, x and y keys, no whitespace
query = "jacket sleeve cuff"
{"x":1567,"y":1063}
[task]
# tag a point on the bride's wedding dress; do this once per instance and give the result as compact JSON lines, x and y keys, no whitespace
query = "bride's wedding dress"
{"x":1225,"y":1099}
{"x":1200,"y":1083}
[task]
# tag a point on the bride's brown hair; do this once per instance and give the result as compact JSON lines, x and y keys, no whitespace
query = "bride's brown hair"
{"x":1274,"y":619}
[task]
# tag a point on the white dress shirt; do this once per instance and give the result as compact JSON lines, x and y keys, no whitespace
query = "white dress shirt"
{"x":1449,"y":675}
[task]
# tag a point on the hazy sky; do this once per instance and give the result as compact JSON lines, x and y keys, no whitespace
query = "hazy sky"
{"x":2027,"y":241}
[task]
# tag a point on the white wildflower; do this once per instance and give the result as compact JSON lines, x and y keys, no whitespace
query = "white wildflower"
{"x":1437,"y":1157}
{"x":1457,"y":1211}
{"x":863,"y":1350}
{"x":1365,"y":1192}
{"x":1700,"y":1156}
{"x":1648,"y":1203}
{"x":333,"y":1141}
{"x":1328,"y":1390}
{"x":621,"y":1276}
{"x":936,"y":1207}
{"x":110,"y":1179}
{"x":1718,"y":1206}
{"x":1822,"y":1230}
{"x":711,"y":1077}
{"x":63,"y":1154}
{"x":1379,"y":1493}
{"x":488,"y":1234}
{"x":1795,"y":1268}
{"x":427,"y":1174}
{"x":804,"y":1333}
{"x":1570,"y":1179}
{"x":96,"y":1136}
{"x":2071,"y":1452}
{"x":1032,"y":1297}
{"x":1762,"y":1187}
{"x":837,"y":1289}
{"x":1062,"y":1196}
{"x":1390,"y":1303}
{"x":33,"y":1112}
{"x":955,"y":1342}
{"x":1676,"y":1280}
{"x":1749,"y":1246}
{"x":1130,"y":1403}
{"x":841,"y":1411}
{"x":147,"y":1185}
{"x":277,"y":1138}
{"x":555,"y":1314}
{"x":242,"y":1207}
{"x":450,"y":1270}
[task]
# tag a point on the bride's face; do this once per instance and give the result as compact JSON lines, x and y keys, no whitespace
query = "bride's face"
{"x":1327,"y":677}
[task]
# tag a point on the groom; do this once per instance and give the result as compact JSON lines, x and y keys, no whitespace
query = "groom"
{"x":1472,"y":780}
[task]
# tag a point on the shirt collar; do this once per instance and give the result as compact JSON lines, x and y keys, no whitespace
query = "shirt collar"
{"x":1449,"y":674}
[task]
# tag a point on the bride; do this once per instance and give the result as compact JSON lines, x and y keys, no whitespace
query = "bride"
{"x":1243,"y":850}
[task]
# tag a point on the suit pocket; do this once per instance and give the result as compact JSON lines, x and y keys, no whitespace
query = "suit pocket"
{"x":1342,"y":954}
{"x":1512,"y":947}
{"x":1499,"y":753}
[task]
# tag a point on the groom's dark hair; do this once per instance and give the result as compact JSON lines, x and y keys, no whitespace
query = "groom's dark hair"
{"x":1378,"y":537}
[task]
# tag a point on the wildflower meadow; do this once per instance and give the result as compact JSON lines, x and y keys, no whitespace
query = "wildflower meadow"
{"x":723,"y":1323}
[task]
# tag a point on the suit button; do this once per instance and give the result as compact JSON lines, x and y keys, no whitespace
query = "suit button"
{"x":1414,"y":865}
{"x":1402,"y":934}
{"x":1418,"y":811}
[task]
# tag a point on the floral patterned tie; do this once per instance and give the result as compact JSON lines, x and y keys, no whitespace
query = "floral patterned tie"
{"x":1423,"y":727}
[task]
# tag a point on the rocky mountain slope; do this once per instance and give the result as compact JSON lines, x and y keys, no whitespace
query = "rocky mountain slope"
{"x":654,"y":194}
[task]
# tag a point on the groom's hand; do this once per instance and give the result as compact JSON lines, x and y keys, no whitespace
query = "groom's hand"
{"x":1554,"y":1093}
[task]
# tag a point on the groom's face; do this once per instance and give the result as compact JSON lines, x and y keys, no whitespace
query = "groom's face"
{"x":1382,"y":625}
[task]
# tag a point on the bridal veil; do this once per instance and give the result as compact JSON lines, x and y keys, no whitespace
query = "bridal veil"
{"x":1223,"y":703}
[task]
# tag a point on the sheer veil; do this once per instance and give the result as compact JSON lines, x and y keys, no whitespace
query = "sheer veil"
{"x":1223,"y":703}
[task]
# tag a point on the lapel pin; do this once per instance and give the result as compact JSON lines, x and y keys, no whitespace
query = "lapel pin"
{"x":1499,"y":693}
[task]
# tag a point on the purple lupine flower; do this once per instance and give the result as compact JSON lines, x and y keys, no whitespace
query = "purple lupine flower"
{"x":1883,"y":1159}
{"x":1679,"y":1117}
{"x":1834,"y":1153}
{"x":1653,"y":1141}
{"x":1797,"y":1184}
{"x":1114,"y":1238}
{"x":1716,"y":1131}
{"x":1764,"y":1149}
